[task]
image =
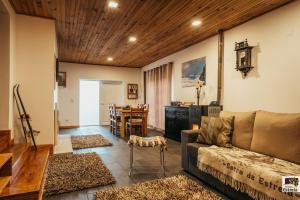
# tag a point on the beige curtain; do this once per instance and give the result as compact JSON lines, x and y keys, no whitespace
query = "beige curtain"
{"x":158,"y":94}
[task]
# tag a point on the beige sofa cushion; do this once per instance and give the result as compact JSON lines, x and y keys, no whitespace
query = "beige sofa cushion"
{"x":243,"y":128}
{"x":277,"y":135}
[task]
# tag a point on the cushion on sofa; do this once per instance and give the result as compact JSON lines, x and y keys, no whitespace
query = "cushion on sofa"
{"x":216,"y":130}
{"x":243,"y":128}
{"x":278,"y":135}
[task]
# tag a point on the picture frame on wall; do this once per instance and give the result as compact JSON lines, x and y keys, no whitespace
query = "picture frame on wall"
{"x":132,"y":91}
{"x":62,"y":79}
{"x":192,"y":71}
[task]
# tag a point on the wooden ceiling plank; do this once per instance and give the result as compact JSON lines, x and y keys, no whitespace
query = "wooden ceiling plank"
{"x":92,"y":31}
{"x":89,"y":31}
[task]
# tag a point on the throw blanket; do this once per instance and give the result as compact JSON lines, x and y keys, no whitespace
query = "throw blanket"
{"x":258,"y":175}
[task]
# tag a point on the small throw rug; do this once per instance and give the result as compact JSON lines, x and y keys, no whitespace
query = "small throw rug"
{"x":172,"y":188}
{"x":258,"y":175}
{"x":89,"y":141}
{"x":69,"y":172}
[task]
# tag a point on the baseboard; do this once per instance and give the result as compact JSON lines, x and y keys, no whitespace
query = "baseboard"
{"x":50,"y":146}
{"x":69,"y":127}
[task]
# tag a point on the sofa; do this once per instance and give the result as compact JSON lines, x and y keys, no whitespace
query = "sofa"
{"x":276,"y":135}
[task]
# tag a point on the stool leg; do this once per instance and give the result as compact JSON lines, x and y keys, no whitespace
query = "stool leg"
{"x":162,"y":160}
{"x":131,"y":160}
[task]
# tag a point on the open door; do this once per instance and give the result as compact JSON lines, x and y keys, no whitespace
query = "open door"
{"x":111,"y":92}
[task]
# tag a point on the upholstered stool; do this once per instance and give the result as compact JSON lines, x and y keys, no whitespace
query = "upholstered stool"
{"x":155,"y":141}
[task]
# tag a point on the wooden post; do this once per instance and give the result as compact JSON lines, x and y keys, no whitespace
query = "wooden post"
{"x":220,"y":64}
{"x":145,"y":87}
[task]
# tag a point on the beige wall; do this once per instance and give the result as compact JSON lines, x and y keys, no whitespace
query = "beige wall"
{"x":6,"y":7}
{"x":274,"y":83}
{"x":35,"y":68}
{"x":69,"y":96}
{"x":4,"y":67}
{"x":208,"y":49}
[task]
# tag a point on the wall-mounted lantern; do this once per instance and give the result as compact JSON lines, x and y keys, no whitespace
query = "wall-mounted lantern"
{"x":243,"y":57}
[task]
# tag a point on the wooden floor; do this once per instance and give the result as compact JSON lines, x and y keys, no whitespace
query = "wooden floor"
{"x":116,"y":158}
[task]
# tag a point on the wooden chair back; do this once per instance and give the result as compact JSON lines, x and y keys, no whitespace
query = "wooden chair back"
{"x":110,"y":108}
{"x":136,"y":113}
{"x":114,"y":111}
{"x":145,"y":106}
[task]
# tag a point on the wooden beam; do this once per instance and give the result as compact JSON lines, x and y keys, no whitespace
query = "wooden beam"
{"x":145,"y":88}
{"x":220,"y":64}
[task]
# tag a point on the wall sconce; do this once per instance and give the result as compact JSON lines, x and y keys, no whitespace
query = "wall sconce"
{"x":243,"y":57}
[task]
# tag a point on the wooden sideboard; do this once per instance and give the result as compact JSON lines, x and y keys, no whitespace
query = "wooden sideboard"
{"x":178,"y":118}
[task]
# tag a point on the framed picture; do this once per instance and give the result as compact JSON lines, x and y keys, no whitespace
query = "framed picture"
{"x":62,"y":79}
{"x":192,"y":71}
{"x":132,"y":91}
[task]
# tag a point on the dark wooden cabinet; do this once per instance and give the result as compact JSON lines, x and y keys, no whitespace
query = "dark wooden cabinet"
{"x":178,"y":118}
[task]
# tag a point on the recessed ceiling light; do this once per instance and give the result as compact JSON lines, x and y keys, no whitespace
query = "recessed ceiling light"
{"x":132,"y":39}
{"x":113,"y":4}
{"x":196,"y":23}
{"x":110,"y":59}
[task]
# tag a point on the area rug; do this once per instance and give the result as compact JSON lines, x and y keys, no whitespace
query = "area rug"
{"x":172,"y":188}
{"x":69,"y":172}
{"x":89,"y":141}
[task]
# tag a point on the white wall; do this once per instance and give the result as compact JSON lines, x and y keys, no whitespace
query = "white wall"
{"x":208,"y":49}
{"x":274,"y":83}
{"x":35,"y":68}
{"x":69,"y":96}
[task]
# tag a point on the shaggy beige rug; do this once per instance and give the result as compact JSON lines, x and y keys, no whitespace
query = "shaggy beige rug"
{"x":69,"y":172}
{"x":172,"y":188}
{"x":89,"y":141}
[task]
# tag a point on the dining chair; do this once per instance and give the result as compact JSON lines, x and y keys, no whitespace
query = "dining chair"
{"x":110,"y":108}
{"x":136,"y":121}
{"x":116,"y":120}
{"x":145,"y":106}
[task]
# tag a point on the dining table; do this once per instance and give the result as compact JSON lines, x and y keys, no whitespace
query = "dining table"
{"x":123,"y":113}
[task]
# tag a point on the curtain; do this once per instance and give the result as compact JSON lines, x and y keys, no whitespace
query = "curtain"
{"x":158,"y":94}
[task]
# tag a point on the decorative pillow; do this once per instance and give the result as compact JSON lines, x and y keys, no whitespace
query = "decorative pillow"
{"x":242,"y":128}
{"x":277,"y":135}
{"x":216,"y":130}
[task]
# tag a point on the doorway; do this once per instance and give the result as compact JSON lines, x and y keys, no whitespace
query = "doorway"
{"x":89,"y":106}
{"x":95,"y":97}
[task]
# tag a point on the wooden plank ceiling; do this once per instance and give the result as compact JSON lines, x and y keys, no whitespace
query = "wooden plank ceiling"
{"x":88,"y":31}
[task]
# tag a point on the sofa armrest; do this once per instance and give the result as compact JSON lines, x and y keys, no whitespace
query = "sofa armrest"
{"x":187,"y":136}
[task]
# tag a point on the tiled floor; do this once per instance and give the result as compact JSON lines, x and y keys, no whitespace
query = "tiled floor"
{"x":116,"y":158}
